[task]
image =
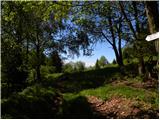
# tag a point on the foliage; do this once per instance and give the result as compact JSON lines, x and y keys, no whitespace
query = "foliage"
{"x":4,"y":90}
{"x":32,"y":28}
{"x":56,"y":61}
{"x":14,"y":71}
{"x":32,"y":76}
{"x":103,"y":61}
{"x":68,"y":67}
{"x":33,"y":61}
{"x":70,"y":108}
{"x":36,"y":36}
{"x":32,"y":102}
{"x":137,"y":49}
{"x":114,"y":61}
{"x":97,"y":64}
{"x":45,"y":70}
{"x":79,"y":66}
{"x":51,"y":79}
{"x":74,"y":67}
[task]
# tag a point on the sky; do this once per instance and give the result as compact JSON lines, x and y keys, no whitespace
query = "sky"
{"x":100,"y":49}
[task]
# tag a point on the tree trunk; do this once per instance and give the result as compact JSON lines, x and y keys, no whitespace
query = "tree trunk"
{"x":38,"y":74}
{"x":141,"y":67}
{"x":136,"y":17}
{"x":152,"y":12}
{"x":27,"y":51}
{"x":118,"y":57}
{"x":127,"y":20}
{"x":38,"y":66}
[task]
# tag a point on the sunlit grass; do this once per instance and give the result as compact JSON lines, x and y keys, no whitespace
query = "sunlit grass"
{"x":108,"y":91}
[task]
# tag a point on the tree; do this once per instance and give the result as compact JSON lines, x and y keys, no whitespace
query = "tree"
{"x":56,"y":61}
{"x":79,"y":66}
{"x":35,"y":27}
{"x":103,"y":22}
{"x":103,"y":61}
{"x":68,"y":67}
{"x":97,"y":65}
{"x":114,"y":61}
{"x":14,"y":69}
{"x":139,"y":32}
{"x":152,"y":13}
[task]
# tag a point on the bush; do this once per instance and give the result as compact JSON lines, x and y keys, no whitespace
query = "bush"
{"x":32,"y":76}
{"x":50,"y":79}
{"x":77,"y":108}
{"x":44,"y":71}
{"x":33,"y":102}
{"x":4,"y":90}
{"x":47,"y":70}
{"x":68,"y":68}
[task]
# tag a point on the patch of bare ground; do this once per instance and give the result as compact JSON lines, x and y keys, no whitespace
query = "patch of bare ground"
{"x":119,"y":108}
{"x":148,"y":84}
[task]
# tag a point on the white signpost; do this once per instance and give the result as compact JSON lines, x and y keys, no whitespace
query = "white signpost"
{"x":153,"y":36}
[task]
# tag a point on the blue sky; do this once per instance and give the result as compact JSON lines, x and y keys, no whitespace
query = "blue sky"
{"x":100,"y":49}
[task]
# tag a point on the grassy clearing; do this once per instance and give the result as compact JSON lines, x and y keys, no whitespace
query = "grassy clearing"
{"x":76,"y":86}
{"x":108,"y":91}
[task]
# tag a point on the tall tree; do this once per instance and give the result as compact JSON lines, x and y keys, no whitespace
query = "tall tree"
{"x":97,"y":64}
{"x":103,"y":61}
{"x":139,"y":32}
{"x":38,"y":27}
{"x":13,"y":36}
{"x":79,"y":66}
{"x":56,"y":61}
{"x":43,"y":26}
{"x":103,"y":22}
{"x":152,"y":13}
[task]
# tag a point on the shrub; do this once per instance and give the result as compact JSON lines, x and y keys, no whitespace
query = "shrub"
{"x":33,"y":102}
{"x":68,"y":68}
{"x":44,"y":71}
{"x":4,"y":90}
{"x":50,"y":79}
{"x":47,"y":70}
{"x":32,"y":76}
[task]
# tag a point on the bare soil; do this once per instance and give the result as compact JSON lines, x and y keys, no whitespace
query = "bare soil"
{"x":119,"y":108}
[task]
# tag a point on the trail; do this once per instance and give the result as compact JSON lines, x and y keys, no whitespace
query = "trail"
{"x":119,"y":108}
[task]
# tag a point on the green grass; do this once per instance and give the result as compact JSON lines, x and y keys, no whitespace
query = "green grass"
{"x":54,"y":76}
{"x":91,"y":83}
{"x":107,"y":91}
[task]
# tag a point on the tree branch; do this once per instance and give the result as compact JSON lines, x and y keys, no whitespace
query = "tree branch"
{"x":75,"y":5}
{"x":128,"y":21}
{"x":106,"y":38}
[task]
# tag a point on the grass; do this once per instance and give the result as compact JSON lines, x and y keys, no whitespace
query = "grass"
{"x":78,"y":81}
{"x":96,"y":80}
{"x":76,"y":104}
{"x":78,"y":85}
{"x":55,"y":75}
{"x":108,"y":91}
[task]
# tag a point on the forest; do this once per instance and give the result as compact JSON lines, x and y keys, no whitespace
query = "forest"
{"x":38,"y":36}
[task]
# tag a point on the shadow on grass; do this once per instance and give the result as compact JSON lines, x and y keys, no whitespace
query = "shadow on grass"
{"x":78,"y":108}
{"x":75,"y":82}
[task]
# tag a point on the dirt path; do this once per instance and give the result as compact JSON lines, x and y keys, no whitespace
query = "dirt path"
{"x":120,"y":108}
{"x":149,"y":84}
